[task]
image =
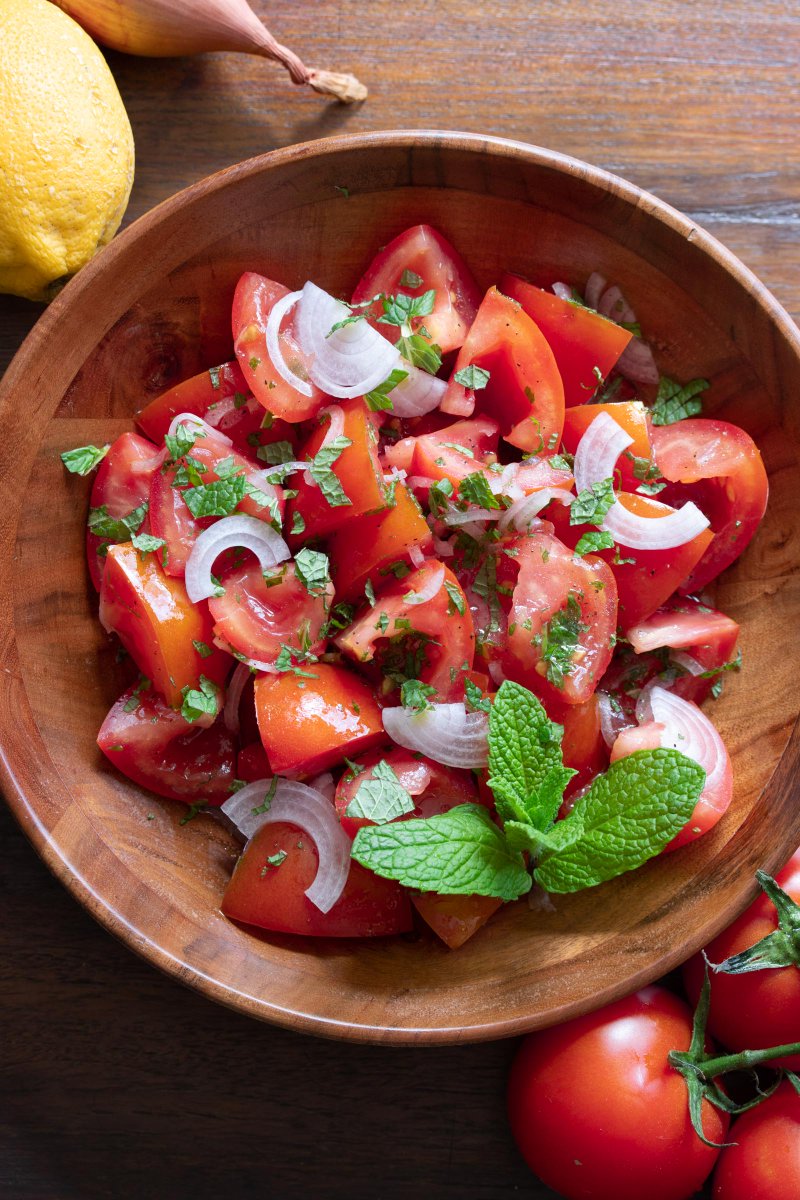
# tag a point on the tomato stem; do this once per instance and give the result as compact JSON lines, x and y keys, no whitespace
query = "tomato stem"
{"x":743,"y":1061}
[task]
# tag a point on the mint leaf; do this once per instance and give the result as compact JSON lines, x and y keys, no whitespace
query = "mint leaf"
{"x":202,"y":648}
{"x":410,"y":279}
{"x":456,"y":601}
{"x":378,"y":399}
{"x":475,"y":699}
{"x":217,"y":499}
{"x":312,"y":571}
{"x":414,"y":694}
{"x":563,"y":461}
{"x":460,"y":852}
{"x":526,"y":769}
{"x":472,"y":377}
{"x":381,"y":798}
{"x":276,"y":453}
{"x":591,"y":505}
{"x":116,"y":529}
{"x":132,"y":702}
{"x":438,"y":495}
{"x":321,"y":472}
{"x":420,"y":353}
{"x":199,"y":702}
{"x":474,"y":489}
{"x":181,"y":441}
{"x":146,"y":543}
{"x":628,"y":815}
{"x":559,"y":640}
{"x":676,"y":401}
{"x":400,"y":309}
{"x":590,"y":543}
{"x":84,"y":459}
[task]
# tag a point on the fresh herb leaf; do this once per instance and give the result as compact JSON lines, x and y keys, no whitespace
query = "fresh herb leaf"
{"x":591,"y":505}
{"x":284,"y":662}
{"x":475,"y":699}
{"x":276,"y":453}
{"x":401,"y":309}
{"x":369,"y":592}
{"x":202,"y":648}
{"x":381,"y":798}
{"x":298,"y":523}
{"x":313,"y":571}
{"x":651,"y":489}
{"x":84,"y":459}
{"x":456,"y":602}
{"x":559,"y":640}
{"x":269,"y":796}
{"x":145,"y":543}
{"x":410,"y":279}
{"x":474,"y":489}
{"x":378,"y":399}
{"x":563,"y":461}
{"x":590,"y":543}
{"x":132,"y":702}
{"x":218,"y":499}
{"x":676,"y":401}
{"x":193,"y":811}
{"x":116,"y":529}
{"x":414,"y":694}
{"x":472,"y":377}
{"x":322,"y":473}
{"x":438,"y":496}
{"x":181,"y":441}
{"x":526,"y":768}
{"x":199,"y":702}
{"x":420,"y":353}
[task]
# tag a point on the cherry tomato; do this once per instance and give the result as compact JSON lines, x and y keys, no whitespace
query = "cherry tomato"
{"x":253,"y":301}
{"x":423,"y":251}
{"x":599,"y":1114}
{"x":122,"y":484}
{"x":154,"y":746}
{"x":260,"y":611}
{"x":357,"y":469}
{"x":761,"y":1008}
{"x":633,"y":418}
{"x":564,"y":657}
{"x":158,"y":624}
{"x":309,"y":722}
{"x":366,"y":549}
{"x":433,"y":641}
{"x":524,"y":391}
{"x":271,"y":894}
{"x":764,"y":1161}
{"x":719,"y":467}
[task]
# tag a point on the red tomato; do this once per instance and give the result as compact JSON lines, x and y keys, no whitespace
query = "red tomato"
{"x":550,"y":580}
{"x":365,"y":549}
{"x":158,"y":624}
{"x":273,"y":897}
{"x":423,"y":251}
{"x":221,"y":396}
{"x":253,"y":301}
{"x":632,"y":416}
{"x":357,"y":468}
{"x":524,"y":393}
{"x":691,"y":627}
{"x":259,"y":613}
{"x":122,"y":484}
{"x":437,"y":455}
{"x":761,"y":1008}
{"x":583,"y":342}
{"x":151,"y":743}
{"x":645,"y":578}
{"x":719,"y":467}
{"x":252,"y":763}
{"x":582,"y":745}
{"x":447,"y":645}
{"x":308,"y":724}
{"x":764,"y":1161}
{"x":599,"y":1114}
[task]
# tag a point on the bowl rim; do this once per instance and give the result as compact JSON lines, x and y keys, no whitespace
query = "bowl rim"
{"x":46,"y":843}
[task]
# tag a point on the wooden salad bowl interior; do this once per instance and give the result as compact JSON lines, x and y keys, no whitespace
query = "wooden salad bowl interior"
{"x":154,"y":308}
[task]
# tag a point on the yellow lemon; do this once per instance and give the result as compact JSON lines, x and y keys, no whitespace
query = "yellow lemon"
{"x":66,"y":149}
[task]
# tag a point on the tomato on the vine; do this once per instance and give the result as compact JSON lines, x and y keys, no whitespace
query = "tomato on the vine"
{"x":764,"y":1161}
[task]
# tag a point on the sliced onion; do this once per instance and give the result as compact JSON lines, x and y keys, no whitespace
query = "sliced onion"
{"x":447,"y":733}
{"x":504,"y":484}
{"x":218,"y":411}
{"x":598,"y":450}
{"x":348,"y":362}
{"x":454,"y":516}
{"x":230,"y":713}
{"x":689,"y":730}
{"x":428,"y":590}
{"x":417,"y":395}
{"x":396,"y":475}
{"x":303,"y":806}
{"x":689,"y":664}
{"x":278,"y":312}
{"x":324,"y":783}
{"x":253,"y":663}
{"x":496,"y":672}
{"x":523,"y":511}
{"x":637,"y":362}
{"x":612,"y":720}
{"x":239,"y":530}
{"x":443,"y":548}
{"x":422,"y":482}
{"x":192,"y":419}
{"x":614,"y":306}
{"x":143,"y":466}
{"x":595,"y":286}
{"x":335,"y":425}
{"x":417,"y":556}
{"x":563,"y":291}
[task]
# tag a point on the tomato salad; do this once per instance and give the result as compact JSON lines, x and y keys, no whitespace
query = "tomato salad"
{"x":416,"y":585}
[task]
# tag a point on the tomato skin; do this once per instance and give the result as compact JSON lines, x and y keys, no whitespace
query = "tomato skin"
{"x":424,"y":251}
{"x":582,"y":745}
{"x":252,"y":763}
{"x":599,"y":1114}
{"x":761,"y":1008}
{"x":582,"y":341}
{"x":368,"y":907}
{"x":256,"y":618}
{"x":157,"y":623}
{"x":122,"y":483}
{"x":453,"y":647}
{"x":719,"y":466}
{"x":155,"y":747}
{"x":524,"y":393}
{"x":307,"y":725}
{"x":684,"y":623}
{"x":357,"y":468}
{"x":359,"y":552}
{"x":632,"y":416}
{"x":764,"y":1162}
{"x":434,"y":455}
{"x":253,"y":301}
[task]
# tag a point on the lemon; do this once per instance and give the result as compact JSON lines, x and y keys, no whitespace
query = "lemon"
{"x":66,"y":149}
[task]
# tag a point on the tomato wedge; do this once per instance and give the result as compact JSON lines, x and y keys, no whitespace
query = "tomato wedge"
{"x":154,"y":746}
{"x":366,"y":549}
{"x":584,"y":343}
{"x":455,"y":452}
{"x":158,"y":624}
{"x":261,"y":612}
{"x":309,"y":722}
{"x":121,"y":485}
{"x":632,"y":416}
{"x":432,"y":640}
{"x":253,"y":301}
{"x":269,"y":883}
{"x":524,"y":391}
{"x":422,"y":251}
{"x":718,"y":466}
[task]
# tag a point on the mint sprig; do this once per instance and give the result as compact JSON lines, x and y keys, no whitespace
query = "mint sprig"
{"x":526,"y":768}
{"x":381,"y":798}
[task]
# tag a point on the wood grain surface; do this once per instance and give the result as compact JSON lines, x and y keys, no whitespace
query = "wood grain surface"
{"x":118,"y":1082}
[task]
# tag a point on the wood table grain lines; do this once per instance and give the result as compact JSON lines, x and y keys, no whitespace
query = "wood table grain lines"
{"x":115,"y":1082}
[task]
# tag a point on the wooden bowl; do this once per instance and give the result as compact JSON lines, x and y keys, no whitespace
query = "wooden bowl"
{"x":154,"y":309}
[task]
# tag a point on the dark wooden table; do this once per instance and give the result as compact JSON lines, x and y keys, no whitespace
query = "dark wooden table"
{"x":118,"y":1083}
